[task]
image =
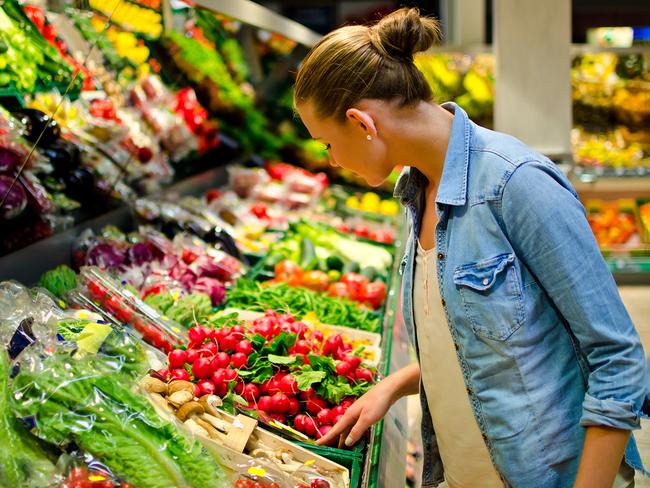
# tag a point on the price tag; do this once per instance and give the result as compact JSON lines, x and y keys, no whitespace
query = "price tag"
{"x":257,"y":471}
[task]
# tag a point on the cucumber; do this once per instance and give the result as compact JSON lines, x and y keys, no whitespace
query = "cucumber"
{"x":308,"y":258}
{"x":334,"y":263}
{"x":369,"y":272}
{"x":351,"y":267}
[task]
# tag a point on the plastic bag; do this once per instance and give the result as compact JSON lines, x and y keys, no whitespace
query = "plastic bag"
{"x":90,"y":403}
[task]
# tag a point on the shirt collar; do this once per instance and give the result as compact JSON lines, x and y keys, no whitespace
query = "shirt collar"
{"x":453,"y":185}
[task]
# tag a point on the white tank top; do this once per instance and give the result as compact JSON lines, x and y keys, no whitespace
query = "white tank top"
{"x":464,"y":454}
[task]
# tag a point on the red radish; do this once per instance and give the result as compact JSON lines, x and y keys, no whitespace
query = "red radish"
{"x":239,"y":388}
{"x":315,"y":404}
{"x":324,"y":429}
{"x":264,"y":387}
{"x":219,"y":376}
{"x":230,"y":375}
{"x":317,"y":336}
{"x":347,"y":402}
{"x":202,"y":368}
{"x":288,"y":385}
{"x":237,"y":331}
{"x":303,"y":346}
{"x":280,"y":403}
{"x":354,"y":361}
{"x":206,"y":387}
{"x":228,"y":343}
{"x":332,"y":344}
{"x":343,"y":368}
{"x":305,"y":359}
{"x":221,"y":389}
{"x":324,"y":416}
{"x":239,"y":360}
{"x":299,"y":422}
{"x":251,"y":392}
{"x":177,"y":358}
{"x":294,"y":407}
{"x":192,"y":355}
{"x":363,"y":374}
{"x":221,"y":360}
{"x":245,"y":347}
{"x":307,"y":394}
{"x":273,"y":387}
{"x":162,"y":373}
{"x":287,"y":318}
{"x":338,"y":411}
{"x":179,"y":374}
{"x":346,"y":347}
{"x":278,"y":417}
{"x":219,"y":334}
{"x":265,"y":404}
{"x":319,"y":483}
{"x":208,"y":350}
{"x":271,"y":313}
{"x":311,"y":426}
{"x":336,"y":419}
{"x":197,"y":334}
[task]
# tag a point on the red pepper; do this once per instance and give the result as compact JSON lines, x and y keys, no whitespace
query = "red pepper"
{"x":36,"y":15}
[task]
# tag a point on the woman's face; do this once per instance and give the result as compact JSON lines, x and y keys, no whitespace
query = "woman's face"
{"x":348,"y":144}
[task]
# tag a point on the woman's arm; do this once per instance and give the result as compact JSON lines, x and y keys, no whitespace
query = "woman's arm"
{"x":601,"y":443}
{"x":372,"y":406}
{"x":549,"y":232}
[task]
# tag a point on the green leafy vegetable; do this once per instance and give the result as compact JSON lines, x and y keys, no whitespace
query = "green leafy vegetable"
{"x":59,"y":280}
{"x":88,"y":402}
{"x":281,"y":359}
{"x":252,"y":295}
{"x":23,"y":461}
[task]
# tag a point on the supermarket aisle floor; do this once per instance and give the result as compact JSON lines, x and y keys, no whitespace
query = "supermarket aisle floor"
{"x":637,"y":301}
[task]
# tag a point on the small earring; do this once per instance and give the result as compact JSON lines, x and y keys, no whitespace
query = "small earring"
{"x":369,"y":137}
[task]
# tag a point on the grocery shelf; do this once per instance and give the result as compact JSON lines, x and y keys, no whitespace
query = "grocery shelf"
{"x":27,"y":264}
{"x":258,"y":16}
{"x":633,"y":270}
{"x":609,"y":187}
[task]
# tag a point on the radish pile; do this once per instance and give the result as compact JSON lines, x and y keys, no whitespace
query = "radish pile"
{"x":275,"y":366}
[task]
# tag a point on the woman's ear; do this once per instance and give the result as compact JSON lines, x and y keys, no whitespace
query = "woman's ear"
{"x":363,"y":120}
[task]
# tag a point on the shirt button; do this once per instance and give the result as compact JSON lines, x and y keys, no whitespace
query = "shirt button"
{"x":484,"y":437}
{"x":456,"y":346}
{"x":486,"y":281}
{"x":441,"y":256}
{"x":444,"y":304}
{"x":469,"y":391}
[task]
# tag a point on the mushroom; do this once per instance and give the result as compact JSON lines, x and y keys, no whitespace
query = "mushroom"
{"x":196,"y":428}
{"x":216,"y":422}
{"x":160,"y":402}
{"x":154,"y":385}
{"x":188,"y":409}
{"x":210,"y":404}
{"x":212,"y":432}
{"x":180,"y":398}
{"x":180,"y":385}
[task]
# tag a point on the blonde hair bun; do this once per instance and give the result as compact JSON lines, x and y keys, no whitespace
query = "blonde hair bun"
{"x":403,"y":33}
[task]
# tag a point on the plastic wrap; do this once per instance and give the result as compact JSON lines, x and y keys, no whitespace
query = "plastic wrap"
{"x":88,"y":402}
{"x":24,"y":460}
{"x":123,"y":306}
{"x":244,"y":180}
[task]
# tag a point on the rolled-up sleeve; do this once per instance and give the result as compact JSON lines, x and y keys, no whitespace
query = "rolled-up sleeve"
{"x":547,"y":227}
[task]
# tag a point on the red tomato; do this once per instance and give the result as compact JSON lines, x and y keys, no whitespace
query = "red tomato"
{"x":288,"y":271}
{"x":339,"y":290}
{"x":315,"y":280}
{"x":361,"y":230}
{"x":373,"y":293}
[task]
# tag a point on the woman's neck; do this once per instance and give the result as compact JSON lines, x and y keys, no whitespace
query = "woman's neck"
{"x":420,"y":138}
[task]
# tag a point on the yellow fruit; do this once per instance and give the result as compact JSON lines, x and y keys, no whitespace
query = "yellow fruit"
{"x":352,"y":202}
{"x":370,"y":199}
{"x":389,"y":207}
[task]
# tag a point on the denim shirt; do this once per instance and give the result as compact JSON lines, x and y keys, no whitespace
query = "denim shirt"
{"x":544,"y":342}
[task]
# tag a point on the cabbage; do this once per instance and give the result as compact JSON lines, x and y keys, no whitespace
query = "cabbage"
{"x":212,"y":287}
{"x":140,"y":253}
{"x":9,"y":160}
{"x":183,"y":274}
{"x":105,"y":255}
{"x":15,"y":200}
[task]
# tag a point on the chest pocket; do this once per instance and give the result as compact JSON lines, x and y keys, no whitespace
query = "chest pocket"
{"x":492,"y":296}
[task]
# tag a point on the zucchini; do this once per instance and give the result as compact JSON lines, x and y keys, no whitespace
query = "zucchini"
{"x":308,"y":258}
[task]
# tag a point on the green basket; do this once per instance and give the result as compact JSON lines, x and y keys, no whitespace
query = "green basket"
{"x":350,"y":459}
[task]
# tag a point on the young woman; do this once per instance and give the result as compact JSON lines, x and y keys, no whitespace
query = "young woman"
{"x":530,"y":370}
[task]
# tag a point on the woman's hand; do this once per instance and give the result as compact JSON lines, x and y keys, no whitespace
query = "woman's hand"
{"x":372,"y":406}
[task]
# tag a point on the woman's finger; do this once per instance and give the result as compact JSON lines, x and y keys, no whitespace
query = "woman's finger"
{"x":347,"y":421}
